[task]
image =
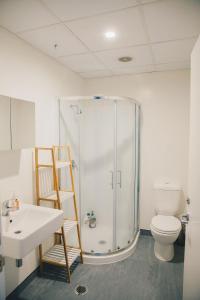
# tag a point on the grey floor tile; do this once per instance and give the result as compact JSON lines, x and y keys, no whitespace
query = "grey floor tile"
{"x":140,"y":277}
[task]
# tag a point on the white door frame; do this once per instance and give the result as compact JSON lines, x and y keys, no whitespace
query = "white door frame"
{"x":2,"y":273}
{"x":191,"y":284}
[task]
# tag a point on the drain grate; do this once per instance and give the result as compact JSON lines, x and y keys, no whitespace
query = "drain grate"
{"x":81,"y":290}
{"x":102,"y":242}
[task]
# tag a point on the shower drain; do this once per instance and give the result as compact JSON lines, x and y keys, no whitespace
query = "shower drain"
{"x":102,"y":242}
{"x":81,"y":290}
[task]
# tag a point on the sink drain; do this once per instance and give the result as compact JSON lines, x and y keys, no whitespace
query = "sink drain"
{"x":81,"y":290}
{"x":18,"y":232}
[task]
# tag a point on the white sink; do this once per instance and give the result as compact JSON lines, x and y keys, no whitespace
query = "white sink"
{"x":30,"y":225}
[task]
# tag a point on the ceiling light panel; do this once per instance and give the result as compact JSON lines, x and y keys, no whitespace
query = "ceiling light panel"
{"x":127,"y":25}
{"x":110,"y":35}
{"x":172,"y":19}
{"x":45,"y":39}
{"x":69,"y":10}
{"x":20,"y":15}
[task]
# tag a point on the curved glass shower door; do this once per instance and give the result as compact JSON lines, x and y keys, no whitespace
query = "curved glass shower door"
{"x":97,"y":174}
{"x":125,"y":172}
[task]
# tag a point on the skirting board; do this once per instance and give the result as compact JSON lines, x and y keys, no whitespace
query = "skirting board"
{"x":21,"y":286}
{"x":145,"y":232}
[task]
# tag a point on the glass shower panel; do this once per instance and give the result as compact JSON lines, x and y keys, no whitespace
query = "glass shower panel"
{"x":125,"y":173}
{"x":97,"y":175}
{"x":69,"y":113}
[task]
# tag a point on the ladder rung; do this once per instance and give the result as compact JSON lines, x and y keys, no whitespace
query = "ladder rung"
{"x":59,"y":164}
{"x":56,"y":255}
{"x":44,"y":166}
{"x":68,"y":225}
{"x":62,"y":164}
{"x":63,"y":196}
{"x":46,"y":199}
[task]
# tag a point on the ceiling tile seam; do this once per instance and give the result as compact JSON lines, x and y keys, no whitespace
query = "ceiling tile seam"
{"x":97,"y":70}
{"x":97,"y":77}
{"x":174,"y":40}
{"x":63,"y":23}
{"x":145,"y":44}
{"x":147,"y":33}
{"x":152,"y":1}
{"x":41,"y":51}
{"x":170,"y":70}
{"x":49,"y":10}
{"x":40,"y":27}
{"x":37,"y":28}
{"x":132,"y":74}
{"x":67,"y":67}
{"x":89,"y":50}
{"x":174,"y":62}
{"x":98,"y":14}
{"x":132,"y":66}
{"x":132,"y":46}
{"x":105,"y":65}
{"x":119,"y":68}
{"x":136,"y":73}
{"x":112,"y":11}
{"x":146,"y":72}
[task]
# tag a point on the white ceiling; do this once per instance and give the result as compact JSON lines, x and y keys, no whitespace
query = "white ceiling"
{"x":158,"y":34}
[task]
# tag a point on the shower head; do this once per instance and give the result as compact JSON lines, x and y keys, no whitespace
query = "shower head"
{"x":76,"y":109}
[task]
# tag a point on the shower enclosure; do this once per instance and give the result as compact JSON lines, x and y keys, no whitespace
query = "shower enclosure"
{"x":103,"y":133}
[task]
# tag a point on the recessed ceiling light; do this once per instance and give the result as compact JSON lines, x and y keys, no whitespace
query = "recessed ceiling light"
{"x":110,"y":34}
{"x":125,"y":58}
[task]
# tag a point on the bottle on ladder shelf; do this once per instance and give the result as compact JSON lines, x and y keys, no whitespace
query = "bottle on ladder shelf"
{"x":48,"y":189}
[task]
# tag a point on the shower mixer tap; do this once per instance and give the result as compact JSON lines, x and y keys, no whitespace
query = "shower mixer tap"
{"x":90,"y":219}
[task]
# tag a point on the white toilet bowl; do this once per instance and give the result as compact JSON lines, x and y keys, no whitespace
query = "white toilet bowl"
{"x":165,"y":230}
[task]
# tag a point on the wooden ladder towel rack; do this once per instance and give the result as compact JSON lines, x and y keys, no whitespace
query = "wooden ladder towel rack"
{"x":60,"y":253}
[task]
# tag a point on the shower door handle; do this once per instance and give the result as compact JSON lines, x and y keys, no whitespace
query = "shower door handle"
{"x":120,"y":178}
{"x":112,"y":179}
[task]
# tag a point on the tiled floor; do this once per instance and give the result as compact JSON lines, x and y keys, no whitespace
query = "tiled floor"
{"x":140,"y":277}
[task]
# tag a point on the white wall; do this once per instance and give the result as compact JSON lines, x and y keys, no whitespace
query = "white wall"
{"x":28,"y":74}
{"x":164,"y":98}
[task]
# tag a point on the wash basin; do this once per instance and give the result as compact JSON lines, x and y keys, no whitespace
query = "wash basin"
{"x":27,"y":227}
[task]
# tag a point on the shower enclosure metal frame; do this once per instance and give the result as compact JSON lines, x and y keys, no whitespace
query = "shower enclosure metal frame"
{"x":77,"y":110}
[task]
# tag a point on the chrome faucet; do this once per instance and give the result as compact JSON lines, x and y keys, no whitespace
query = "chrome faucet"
{"x":91,"y":219}
{"x":8,"y":206}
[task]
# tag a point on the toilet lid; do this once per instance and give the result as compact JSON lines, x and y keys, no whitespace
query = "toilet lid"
{"x":166,"y":223}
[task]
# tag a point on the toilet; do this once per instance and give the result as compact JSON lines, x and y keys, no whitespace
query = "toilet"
{"x":165,"y":226}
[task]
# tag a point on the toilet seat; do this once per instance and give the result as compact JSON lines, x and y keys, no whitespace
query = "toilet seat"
{"x":165,"y":224}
